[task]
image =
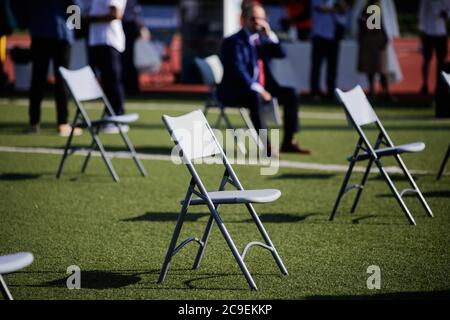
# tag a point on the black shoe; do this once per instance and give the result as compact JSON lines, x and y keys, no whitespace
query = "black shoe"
{"x":293,"y":147}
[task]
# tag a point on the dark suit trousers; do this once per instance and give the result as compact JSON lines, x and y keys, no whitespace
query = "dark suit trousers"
{"x":108,"y":61}
{"x":324,"y":49}
{"x":286,"y":97}
{"x":429,"y":44}
{"x":130,"y":73}
{"x":42,"y":51}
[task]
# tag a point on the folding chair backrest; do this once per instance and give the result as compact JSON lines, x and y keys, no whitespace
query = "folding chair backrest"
{"x":206,"y":72}
{"x":82,"y":83}
{"x":446,"y":77}
{"x":192,"y":133}
{"x":216,"y":67}
{"x":357,"y":106}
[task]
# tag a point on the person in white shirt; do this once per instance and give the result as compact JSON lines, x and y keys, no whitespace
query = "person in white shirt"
{"x":106,"y":44}
{"x":433,"y":15}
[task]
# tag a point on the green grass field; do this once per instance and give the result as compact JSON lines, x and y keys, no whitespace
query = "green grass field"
{"x":118,"y":233}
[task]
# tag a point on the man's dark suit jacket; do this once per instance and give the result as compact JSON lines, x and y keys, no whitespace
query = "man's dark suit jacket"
{"x":239,"y":59}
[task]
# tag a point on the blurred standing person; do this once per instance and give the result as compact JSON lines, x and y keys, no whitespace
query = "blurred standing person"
{"x":132,"y":28}
{"x":390,"y":66}
{"x":325,"y":32}
{"x":106,"y":44}
{"x":50,"y":40}
{"x":372,"y":43}
{"x":433,"y":33}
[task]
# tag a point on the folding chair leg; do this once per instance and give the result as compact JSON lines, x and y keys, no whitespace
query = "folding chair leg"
{"x":66,"y":152}
{"x":361,"y":187}
{"x":88,"y":157}
{"x":266,"y":238}
{"x":414,"y":185}
{"x":342,"y":190}
{"x":201,"y":249}
{"x":105,"y":157}
{"x":4,"y":289}
{"x":133,"y":153}
{"x":91,"y":148}
{"x":234,"y":250}
{"x":444,"y":163}
{"x":395,"y":192}
{"x":176,"y":234}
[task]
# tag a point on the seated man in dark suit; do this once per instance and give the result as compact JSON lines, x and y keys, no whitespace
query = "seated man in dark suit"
{"x":247,"y":80}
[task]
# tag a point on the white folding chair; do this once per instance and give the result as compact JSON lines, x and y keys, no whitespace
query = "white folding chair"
{"x":446,"y":77}
{"x":83,"y":86}
{"x":211,"y":70}
{"x":12,"y":263}
{"x":182,"y":130}
{"x":360,"y":113}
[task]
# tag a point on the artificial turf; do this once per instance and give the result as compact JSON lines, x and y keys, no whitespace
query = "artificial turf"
{"x":118,"y":233}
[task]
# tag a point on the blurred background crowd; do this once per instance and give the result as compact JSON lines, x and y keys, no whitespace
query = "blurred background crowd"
{"x":164,"y":37}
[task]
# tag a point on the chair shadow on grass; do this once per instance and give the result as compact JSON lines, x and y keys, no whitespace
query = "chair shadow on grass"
{"x":270,"y":218}
{"x":173,"y":216}
{"x":115,"y":279}
{"x":312,"y":176}
{"x":18,"y":176}
{"x":96,"y":279}
{"x":139,"y":149}
{"x":282,"y":217}
{"x":165,"y":217}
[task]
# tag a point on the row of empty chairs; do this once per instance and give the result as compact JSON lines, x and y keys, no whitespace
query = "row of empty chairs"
{"x":84,"y":87}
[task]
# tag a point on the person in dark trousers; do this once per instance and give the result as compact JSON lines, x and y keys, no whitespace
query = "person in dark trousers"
{"x":132,"y":29}
{"x":247,"y":79}
{"x":433,"y":31}
{"x":106,"y":45}
{"x":326,"y":34}
{"x":50,"y":41}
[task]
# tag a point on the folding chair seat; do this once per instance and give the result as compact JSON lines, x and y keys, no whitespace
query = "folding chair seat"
{"x":205,"y":144}
{"x":83,"y":86}
{"x":122,"y":119}
{"x":390,"y":151}
{"x":360,"y":113}
{"x":446,"y":77}
{"x":239,"y":196}
{"x":12,"y":263}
